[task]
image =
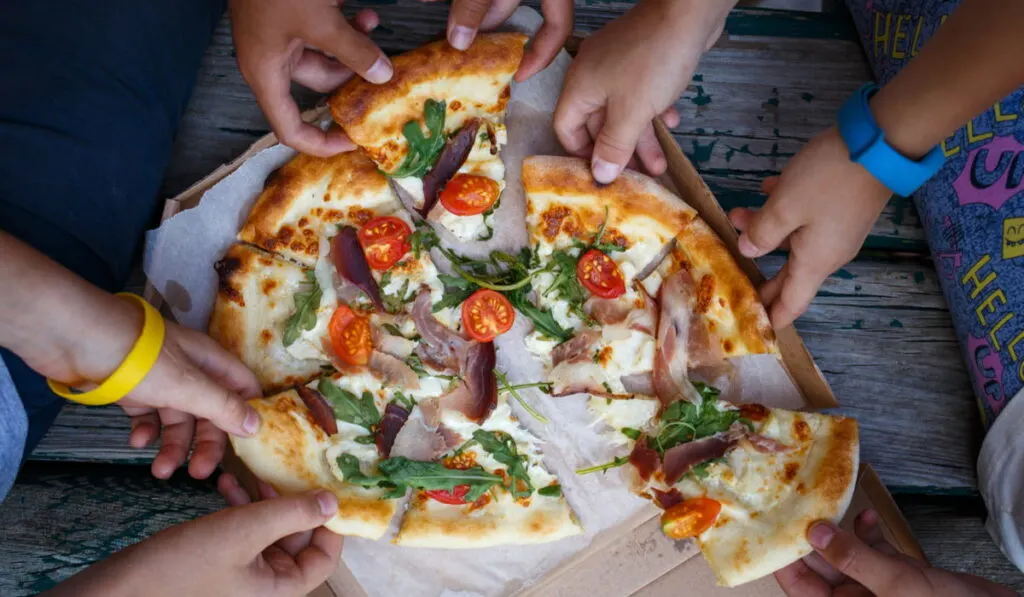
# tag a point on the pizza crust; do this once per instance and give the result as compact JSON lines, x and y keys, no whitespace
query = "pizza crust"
{"x":428,"y":523}
{"x":308,"y":193}
{"x":747,"y":543}
{"x":474,"y":83}
{"x":254,"y":299}
{"x":288,"y":453}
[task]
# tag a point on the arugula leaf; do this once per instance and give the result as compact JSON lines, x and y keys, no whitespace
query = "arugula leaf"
{"x":621,"y":460}
{"x":551,"y":491}
{"x":358,"y":411}
{"x":566,"y":284}
{"x":392,"y":329}
{"x":542,"y":318}
{"x":631,"y":433}
{"x":306,"y":304}
{"x":349,"y":467}
{"x":365,"y":439}
{"x":406,"y":402}
{"x":423,"y":151}
{"x":423,"y":239}
{"x":503,"y":448}
{"x":393,"y":303}
{"x":403,"y":472}
{"x":685,"y":421}
{"x":416,"y":364}
{"x":607,"y":388}
{"x":507,"y":387}
{"x":456,"y":291}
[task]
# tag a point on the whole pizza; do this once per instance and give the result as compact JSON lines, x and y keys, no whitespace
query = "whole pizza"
{"x":373,"y":337}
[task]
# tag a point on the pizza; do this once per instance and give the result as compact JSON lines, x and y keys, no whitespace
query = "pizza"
{"x":373,"y":335}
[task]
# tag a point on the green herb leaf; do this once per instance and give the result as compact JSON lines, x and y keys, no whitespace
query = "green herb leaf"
{"x":392,"y":329}
{"x":364,"y":439}
{"x":349,"y":467}
{"x":358,"y":411}
{"x":423,"y":151}
{"x":551,"y":491}
{"x":403,"y":472}
{"x":306,"y":304}
{"x":542,"y":319}
{"x":503,"y":448}
{"x":416,"y":364}
{"x":406,"y":402}
{"x":685,"y":421}
{"x":393,"y":303}
{"x":507,"y":387}
{"x":621,"y":460}
{"x":422,"y":239}
{"x":456,"y":291}
{"x":633,"y":434}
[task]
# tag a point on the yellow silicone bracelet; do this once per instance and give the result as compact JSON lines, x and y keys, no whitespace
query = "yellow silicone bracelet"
{"x":130,"y":372}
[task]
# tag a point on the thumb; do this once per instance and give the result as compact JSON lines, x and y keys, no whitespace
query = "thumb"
{"x":464,"y":21}
{"x":879,"y":573}
{"x":766,"y":228}
{"x":261,"y":524}
{"x":616,"y":142}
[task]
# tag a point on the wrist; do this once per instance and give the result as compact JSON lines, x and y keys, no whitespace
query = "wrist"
{"x":910,"y":135}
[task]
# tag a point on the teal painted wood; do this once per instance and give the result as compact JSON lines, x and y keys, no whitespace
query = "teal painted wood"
{"x":56,"y":521}
{"x":757,"y":98}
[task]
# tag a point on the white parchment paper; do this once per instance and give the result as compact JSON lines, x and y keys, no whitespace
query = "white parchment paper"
{"x":179,"y":262}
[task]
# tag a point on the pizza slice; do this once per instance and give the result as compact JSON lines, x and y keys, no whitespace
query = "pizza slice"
{"x":260,"y":298}
{"x":744,"y":481}
{"x":510,"y":499}
{"x":436,"y":128}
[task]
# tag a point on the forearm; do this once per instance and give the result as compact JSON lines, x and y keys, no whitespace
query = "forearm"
{"x":48,"y":313}
{"x":973,"y":61}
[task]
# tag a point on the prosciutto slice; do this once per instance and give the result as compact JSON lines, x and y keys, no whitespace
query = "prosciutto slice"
{"x":681,"y":459}
{"x":639,"y":383}
{"x":419,"y":440}
{"x":394,"y":370}
{"x":575,"y":349}
{"x":441,"y":347}
{"x":454,"y":154}
{"x":644,"y":459}
{"x":390,"y":426}
{"x":477,"y":394}
{"x":322,"y":412}
{"x":351,"y":264}
{"x":573,"y":378}
{"x":666,"y":499}
{"x":670,"y":357}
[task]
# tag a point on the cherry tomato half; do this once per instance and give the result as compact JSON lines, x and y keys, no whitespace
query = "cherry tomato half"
{"x":599,"y":274}
{"x":384,"y":240}
{"x":690,"y":518}
{"x":487,"y":314}
{"x":469,"y":194}
{"x":350,"y":336}
{"x":456,"y":496}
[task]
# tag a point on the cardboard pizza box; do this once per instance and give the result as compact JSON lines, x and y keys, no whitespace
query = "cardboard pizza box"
{"x":634,"y":558}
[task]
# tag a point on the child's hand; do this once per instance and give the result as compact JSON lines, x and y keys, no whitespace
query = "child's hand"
{"x":821,"y":208}
{"x":310,"y":42}
{"x":862,"y":564}
{"x":232,"y":552}
{"x":467,"y":17}
{"x":627,"y":74}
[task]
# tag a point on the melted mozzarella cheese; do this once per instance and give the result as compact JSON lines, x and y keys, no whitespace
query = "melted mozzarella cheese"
{"x":464,"y":227}
{"x":309,"y":344}
{"x":501,"y":420}
{"x":619,"y":413}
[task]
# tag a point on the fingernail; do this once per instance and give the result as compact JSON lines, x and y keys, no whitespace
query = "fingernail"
{"x":604,"y":172}
{"x":747,"y":248}
{"x":821,"y":535}
{"x":380,"y":72}
{"x":461,"y":37}
{"x":328,"y":502}
{"x":251,"y":424}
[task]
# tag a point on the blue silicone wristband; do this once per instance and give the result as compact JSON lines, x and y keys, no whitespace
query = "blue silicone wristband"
{"x":868,"y":147}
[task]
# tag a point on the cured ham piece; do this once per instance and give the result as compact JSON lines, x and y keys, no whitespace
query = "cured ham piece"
{"x":644,"y":459}
{"x":351,"y":264}
{"x":670,"y":356}
{"x":578,"y":348}
{"x":639,"y":383}
{"x":393,"y":370}
{"x":666,"y":499}
{"x":390,"y":425}
{"x":682,"y":458}
{"x":765,"y":445}
{"x":322,"y":412}
{"x":419,"y":440}
{"x":574,"y":378}
{"x":441,"y":348}
{"x":477,"y":394}
{"x":454,"y":154}
{"x":608,"y":311}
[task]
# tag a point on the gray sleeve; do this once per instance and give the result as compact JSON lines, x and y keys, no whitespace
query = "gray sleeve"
{"x":13,"y":431}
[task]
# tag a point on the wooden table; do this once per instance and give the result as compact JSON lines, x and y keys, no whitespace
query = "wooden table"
{"x":879,"y":328}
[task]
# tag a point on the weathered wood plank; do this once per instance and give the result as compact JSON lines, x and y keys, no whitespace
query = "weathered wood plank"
{"x":951,"y":530}
{"x":880,"y":332}
{"x":767,"y":87}
{"x":57,"y":521}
